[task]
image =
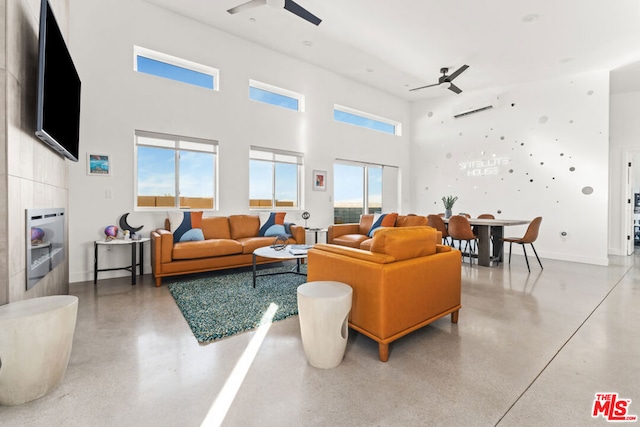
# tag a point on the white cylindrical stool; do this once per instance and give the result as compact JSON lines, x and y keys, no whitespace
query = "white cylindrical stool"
{"x":323,"y":309}
{"x":35,"y":344}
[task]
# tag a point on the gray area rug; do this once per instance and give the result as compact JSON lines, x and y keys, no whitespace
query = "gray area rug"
{"x":220,"y":305}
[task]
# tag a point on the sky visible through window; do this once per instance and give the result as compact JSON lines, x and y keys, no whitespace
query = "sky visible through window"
{"x":273,"y":98}
{"x":261,"y":181}
{"x":173,"y":72}
{"x":344,"y":117}
{"x":156,"y":173}
{"x":349,"y":185}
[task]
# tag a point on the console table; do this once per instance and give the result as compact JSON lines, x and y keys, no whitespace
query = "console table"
{"x":135,"y":260}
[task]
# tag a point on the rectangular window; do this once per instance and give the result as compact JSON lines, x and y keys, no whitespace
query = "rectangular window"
{"x":175,"y":171}
{"x":358,"y":189}
{"x":366,"y":120}
{"x":273,"y":95}
{"x":274,"y":178}
{"x":173,"y":68}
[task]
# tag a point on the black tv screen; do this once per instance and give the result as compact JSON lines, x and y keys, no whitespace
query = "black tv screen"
{"x":58,"y":115}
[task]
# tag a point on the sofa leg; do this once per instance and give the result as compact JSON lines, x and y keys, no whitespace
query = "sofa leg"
{"x":383,"y":352}
{"x":158,"y":282}
{"x":454,"y":316}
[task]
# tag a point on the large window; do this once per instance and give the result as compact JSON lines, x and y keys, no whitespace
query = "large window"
{"x":274,"y":178}
{"x":274,"y":95}
{"x":175,"y":171}
{"x":174,"y":68}
{"x":366,"y":120}
{"x":359,"y":189}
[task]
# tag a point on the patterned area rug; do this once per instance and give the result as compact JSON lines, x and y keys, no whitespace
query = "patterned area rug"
{"x":220,"y":305}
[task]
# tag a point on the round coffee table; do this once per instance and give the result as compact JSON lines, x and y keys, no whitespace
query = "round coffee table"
{"x":297,"y":252}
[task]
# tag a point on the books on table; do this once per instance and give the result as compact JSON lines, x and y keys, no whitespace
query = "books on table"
{"x":299,"y":249}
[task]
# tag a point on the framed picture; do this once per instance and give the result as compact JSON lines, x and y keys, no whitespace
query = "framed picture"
{"x":319,"y":180}
{"x":98,"y":164}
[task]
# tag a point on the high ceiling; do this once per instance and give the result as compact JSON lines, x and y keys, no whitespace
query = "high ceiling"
{"x":401,"y":44}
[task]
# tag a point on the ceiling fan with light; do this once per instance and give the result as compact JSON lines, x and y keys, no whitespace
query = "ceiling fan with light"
{"x":289,"y":5}
{"x":444,"y":78}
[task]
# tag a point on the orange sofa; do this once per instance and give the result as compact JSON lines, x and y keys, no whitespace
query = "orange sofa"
{"x":406,"y":281}
{"x":228,"y":242}
{"x":356,"y":235}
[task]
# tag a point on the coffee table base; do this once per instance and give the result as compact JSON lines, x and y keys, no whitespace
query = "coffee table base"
{"x":295,"y":270}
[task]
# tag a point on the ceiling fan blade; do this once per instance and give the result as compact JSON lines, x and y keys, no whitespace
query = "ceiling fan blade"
{"x":457,"y":73}
{"x":422,"y":87}
{"x":246,"y":6}
{"x":454,"y":88}
{"x":300,"y":11}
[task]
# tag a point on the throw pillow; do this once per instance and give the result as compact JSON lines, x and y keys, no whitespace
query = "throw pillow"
{"x":193,"y":235}
{"x":181,"y":222}
{"x":384,"y":220}
{"x":276,"y":218}
{"x":275,"y":230}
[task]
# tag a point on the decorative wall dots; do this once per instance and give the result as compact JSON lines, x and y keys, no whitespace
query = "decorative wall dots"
{"x":543,"y":119}
{"x":572,"y":169}
{"x":449,"y":155}
{"x":587,"y":190}
{"x":430,"y":114}
{"x":590,"y":93}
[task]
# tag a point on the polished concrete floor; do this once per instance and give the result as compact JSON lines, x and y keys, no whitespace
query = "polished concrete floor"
{"x":529,"y":350}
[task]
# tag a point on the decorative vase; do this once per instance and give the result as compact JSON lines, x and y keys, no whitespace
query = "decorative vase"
{"x":447,"y":213}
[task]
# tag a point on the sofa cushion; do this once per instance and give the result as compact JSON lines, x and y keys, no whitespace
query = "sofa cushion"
{"x":244,"y":226}
{"x":366,"y":220}
{"x":181,"y":222}
{"x":350,"y":240}
{"x":405,"y":242}
{"x":250,"y":244}
{"x":216,"y":227}
{"x":206,"y":248}
{"x":411,"y":221}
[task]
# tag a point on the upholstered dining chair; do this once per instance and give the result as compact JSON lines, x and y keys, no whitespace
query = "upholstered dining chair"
{"x":529,"y":237}
{"x":436,"y":222}
{"x":460,"y":229}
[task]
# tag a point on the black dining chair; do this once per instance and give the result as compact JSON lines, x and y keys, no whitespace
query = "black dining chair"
{"x":529,"y":237}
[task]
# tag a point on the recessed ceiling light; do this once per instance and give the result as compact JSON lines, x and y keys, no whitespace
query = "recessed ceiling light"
{"x":530,"y":18}
{"x":369,"y":70}
{"x":252,"y":19}
{"x":307,"y":43}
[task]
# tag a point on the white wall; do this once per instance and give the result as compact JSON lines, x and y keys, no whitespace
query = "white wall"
{"x":116,"y":101}
{"x":551,"y":127}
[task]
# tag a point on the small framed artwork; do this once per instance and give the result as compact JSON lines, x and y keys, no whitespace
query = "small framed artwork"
{"x":319,"y":180}
{"x":98,"y":164}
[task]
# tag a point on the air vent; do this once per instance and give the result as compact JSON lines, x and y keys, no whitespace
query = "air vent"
{"x":475,"y":110}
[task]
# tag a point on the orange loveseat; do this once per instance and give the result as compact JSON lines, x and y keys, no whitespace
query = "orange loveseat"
{"x":356,"y":235}
{"x":228,"y":242}
{"x":405,"y":282}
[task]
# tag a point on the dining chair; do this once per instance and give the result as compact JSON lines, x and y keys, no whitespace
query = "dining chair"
{"x":460,"y":229}
{"x":482,"y":216}
{"x":436,"y":222}
{"x":529,"y":237}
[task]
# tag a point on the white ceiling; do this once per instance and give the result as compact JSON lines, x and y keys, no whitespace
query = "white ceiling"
{"x":401,"y":44}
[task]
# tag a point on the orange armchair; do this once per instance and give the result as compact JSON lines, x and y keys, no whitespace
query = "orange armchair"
{"x":406,"y":281}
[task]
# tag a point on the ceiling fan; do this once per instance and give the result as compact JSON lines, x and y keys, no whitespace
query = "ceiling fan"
{"x":289,"y":5}
{"x":444,"y":78}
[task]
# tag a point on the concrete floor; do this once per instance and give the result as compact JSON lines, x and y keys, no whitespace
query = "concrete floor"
{"x":529,"y":350}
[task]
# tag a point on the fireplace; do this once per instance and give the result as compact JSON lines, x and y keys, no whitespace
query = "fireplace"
{"x":45,"y":242}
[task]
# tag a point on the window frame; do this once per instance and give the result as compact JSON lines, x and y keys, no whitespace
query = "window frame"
{"x":175,"y":139}
{"x":298,"y":204}
{"x":300,"y":98}
{"x":397,"y":126}
{"x":177,"y":62}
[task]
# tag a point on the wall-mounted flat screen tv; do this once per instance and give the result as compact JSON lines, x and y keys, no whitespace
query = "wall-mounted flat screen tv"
{"x":58,"y":115}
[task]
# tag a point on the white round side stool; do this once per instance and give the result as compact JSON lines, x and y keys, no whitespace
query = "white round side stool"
{"x":35,"y":344}
{"x":323,"y":309}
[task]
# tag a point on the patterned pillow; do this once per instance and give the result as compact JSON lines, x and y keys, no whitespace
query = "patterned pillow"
{"x":384,"y":220}
{"x":183,"y":222}
{"x":274,"y":224}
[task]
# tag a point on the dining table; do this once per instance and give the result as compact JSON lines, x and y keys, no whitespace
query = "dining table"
{"x":490,"y":233}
